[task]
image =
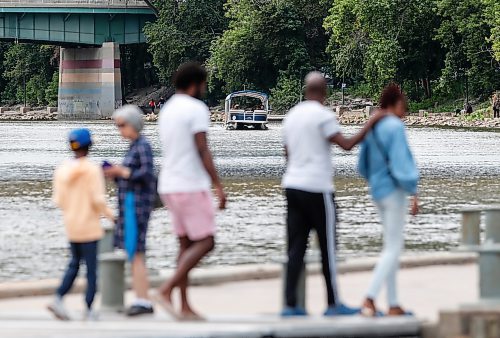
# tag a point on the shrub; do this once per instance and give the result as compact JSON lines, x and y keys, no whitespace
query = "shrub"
{"x":286,"y":94}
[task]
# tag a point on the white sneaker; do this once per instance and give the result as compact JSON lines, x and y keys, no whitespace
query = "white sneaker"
{"x":91,"y":316}
{"x":58,"y":310}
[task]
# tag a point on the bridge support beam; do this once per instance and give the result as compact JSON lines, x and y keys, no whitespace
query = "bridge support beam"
{"x":89,"y":82}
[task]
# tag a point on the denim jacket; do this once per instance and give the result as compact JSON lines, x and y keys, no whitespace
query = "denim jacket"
{"x":386,"y":161}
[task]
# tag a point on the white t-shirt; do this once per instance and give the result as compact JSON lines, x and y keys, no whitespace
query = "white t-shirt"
{"x":306,"y":132}
{"x":182,"y":169}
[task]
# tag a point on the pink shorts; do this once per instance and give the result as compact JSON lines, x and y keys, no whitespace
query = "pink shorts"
{"x":193,"y":214}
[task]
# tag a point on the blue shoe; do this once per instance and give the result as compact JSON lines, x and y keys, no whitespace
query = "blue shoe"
{"x":293,"y":312}
{"x":342,"y":310}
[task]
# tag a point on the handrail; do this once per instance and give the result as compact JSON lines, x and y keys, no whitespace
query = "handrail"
{"x":96,"y":3}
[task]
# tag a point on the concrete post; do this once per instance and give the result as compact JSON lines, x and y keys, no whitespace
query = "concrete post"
{"x":106,"y":243}
{"x":89,"y":82}
{"x":51,"y":110}
{"x":493,"y":225}
{"x":112,"y":280}
{"x":471,"y":220}
{"x":486,"y":326}
{"x":489,"y":273}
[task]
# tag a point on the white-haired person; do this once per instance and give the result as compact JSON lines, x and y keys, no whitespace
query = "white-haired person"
{"x":136,"y":183}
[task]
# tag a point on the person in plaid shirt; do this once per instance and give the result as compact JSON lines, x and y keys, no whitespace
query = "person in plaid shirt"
{"x":136,"y":196}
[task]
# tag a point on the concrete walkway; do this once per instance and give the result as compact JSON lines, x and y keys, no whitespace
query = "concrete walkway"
{"x":249,"y":308}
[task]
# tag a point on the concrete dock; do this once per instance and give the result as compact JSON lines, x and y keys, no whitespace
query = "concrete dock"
{"x":249,"y":309}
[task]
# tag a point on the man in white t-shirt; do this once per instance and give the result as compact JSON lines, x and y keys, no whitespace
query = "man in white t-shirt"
{"x":309,"y":130}
{"x":185,"y":180}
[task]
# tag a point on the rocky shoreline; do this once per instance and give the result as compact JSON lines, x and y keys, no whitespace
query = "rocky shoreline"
{"x":437,"y":120}
{"x":29,"y":115}
{"x":433,"y":121}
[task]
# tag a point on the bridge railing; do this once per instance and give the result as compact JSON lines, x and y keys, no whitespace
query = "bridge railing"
{"x":92,"y":3}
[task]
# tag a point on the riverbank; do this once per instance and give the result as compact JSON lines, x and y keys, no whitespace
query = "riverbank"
{"x":432,"y":121}
{"x":437,"y":120}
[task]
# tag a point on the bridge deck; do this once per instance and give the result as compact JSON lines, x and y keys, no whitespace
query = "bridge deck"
{"x":74,"y":22}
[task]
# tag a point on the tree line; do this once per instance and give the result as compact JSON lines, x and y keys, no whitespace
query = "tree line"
{"x":437,"y":50}
{"x":432,"y":48}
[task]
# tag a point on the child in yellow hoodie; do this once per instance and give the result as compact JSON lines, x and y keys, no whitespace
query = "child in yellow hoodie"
{"x":79,"y":190}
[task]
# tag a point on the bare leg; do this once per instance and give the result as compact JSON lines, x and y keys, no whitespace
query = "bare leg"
{"x":187,"y":261}
{"x":140,"y":280}
{"x":186,"y":309}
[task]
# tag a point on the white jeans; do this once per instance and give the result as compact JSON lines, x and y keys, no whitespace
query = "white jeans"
{"x":393,"y":212}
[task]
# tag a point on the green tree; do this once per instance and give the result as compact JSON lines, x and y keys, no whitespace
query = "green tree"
{"x":286,"y":93}
{"x":383,"y":40}
{"x":492,"y":10}
{"x":183,"y":31}
{"x":51,"y":92}
{"x":28,"y":65}
{"x":266,"y":39}
{"x":465,"y":33}
{"x":35,"y":90}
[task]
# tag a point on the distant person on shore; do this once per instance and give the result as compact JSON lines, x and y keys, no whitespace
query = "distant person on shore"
{"x":136,"y":183}
{"x":79,"y":191}
{"x":495,"y":101}
{"x":387,"y":163}
{"x":309,"y":130}
{"x":161,"y":103}
{"x":468,"y":108}
{"x":152,"y":105}
{"x":187,"y":174}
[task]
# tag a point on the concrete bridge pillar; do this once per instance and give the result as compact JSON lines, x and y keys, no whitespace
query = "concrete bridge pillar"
{"x":89,"y":82}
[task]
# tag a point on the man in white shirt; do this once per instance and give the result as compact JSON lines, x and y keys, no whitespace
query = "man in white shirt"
{"x":309,"y":130}
{"x":185,"y":180}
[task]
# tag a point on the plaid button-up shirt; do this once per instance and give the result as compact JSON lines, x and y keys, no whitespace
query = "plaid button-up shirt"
{"x":142,"y":182}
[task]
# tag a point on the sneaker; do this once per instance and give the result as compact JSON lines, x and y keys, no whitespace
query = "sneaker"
{"x":58,"y":310}
{"x":342,"y":310}
{"x":293,"y":312}
{"x":137,"y":310}
{"x":91,"y":316}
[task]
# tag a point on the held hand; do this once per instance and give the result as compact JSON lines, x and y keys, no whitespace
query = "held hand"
{"x":377,"y":116}
{"x":221,"y":196}
{"x":414,"y":209}
{"x":116,"y":171}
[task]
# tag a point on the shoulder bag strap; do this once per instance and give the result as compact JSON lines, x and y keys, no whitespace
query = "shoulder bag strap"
{"x":384,"y":154}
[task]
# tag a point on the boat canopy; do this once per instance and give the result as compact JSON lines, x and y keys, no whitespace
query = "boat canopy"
{"x":263,"y":97}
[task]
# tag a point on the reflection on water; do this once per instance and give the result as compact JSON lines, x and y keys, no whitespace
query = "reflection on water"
{"x":459,"y":168}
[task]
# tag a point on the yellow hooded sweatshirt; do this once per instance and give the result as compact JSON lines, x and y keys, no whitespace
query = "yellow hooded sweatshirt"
{"x":79,"y":190}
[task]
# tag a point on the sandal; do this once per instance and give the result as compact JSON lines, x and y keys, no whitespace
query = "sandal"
{"x":399,"y":312}
{"x":369,"y":312}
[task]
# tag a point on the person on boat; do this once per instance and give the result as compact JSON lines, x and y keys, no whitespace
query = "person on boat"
{"x":80,"y":192}
{"x":185,"y":181}
{"x":136,"y":183}
{"x":387,"y":163}
{"x":309,"y":130}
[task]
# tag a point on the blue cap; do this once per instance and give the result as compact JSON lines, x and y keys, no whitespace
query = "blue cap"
{"x":80,"y":138}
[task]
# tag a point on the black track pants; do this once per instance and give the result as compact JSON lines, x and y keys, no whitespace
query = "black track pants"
{"x":308,"y":211}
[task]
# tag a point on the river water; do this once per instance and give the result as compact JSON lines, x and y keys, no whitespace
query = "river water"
{"x":459,"y":168}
